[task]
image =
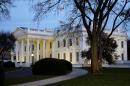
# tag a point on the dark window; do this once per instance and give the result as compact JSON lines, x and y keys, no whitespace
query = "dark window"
{"x":70,"y":57}
{"x":32,"y":47}
{"x":39,"y":57}
{"x":50,"y":44}
{"x":58,"y":43}
{"x":77,"y":56}
{"x":122,"y":56}
{"x":122,"y":44}
{"x":65,"y":56}
{"x":64,"y":42}
{"x":58,"y":56}
{"x":25,"y":48}
{"x":77,"y":41}
{"x":50,"y":55}
{"x":70,"y":42}
{"x":39,"y":46}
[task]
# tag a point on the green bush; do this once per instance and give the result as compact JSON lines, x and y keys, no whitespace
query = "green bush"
{"x":51,"y":66}
{"x":9,"y":64}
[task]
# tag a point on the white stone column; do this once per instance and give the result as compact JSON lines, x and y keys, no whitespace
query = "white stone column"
{"x":27,"y":51}
{"x":21,"y":58}
{"x":16,"y":50}
{"x":37,"y":50}
{"x":43,"y":50}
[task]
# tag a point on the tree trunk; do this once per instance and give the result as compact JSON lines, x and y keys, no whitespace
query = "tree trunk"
{"x":94,"y":59}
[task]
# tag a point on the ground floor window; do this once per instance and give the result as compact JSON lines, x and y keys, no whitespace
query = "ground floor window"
{"x":58,"y":55}
{"x":65,"y":56}
{"x":50,"y":55}
{"x":122,"y":56}
{"x":70,"y":57}
{"x":77,"y":56}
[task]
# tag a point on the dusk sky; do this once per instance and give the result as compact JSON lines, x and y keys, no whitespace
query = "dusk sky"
{"x":22,"y":16}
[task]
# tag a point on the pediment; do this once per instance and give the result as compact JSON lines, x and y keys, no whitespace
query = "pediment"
{"x":19,"y":32}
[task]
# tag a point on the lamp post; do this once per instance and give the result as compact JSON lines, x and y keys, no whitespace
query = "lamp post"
{"x":32,"y":55}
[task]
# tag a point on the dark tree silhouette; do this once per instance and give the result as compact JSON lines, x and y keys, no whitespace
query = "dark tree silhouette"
{"x":93,"y":14}
{"x":4,"y":8}
{"x":108,"y":47}
{"x":7,"y":41}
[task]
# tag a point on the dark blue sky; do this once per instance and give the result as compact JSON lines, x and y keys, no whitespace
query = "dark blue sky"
{"x":22,"y":16}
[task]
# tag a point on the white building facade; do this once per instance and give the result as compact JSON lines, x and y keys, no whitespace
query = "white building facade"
{"x":33,"y":45}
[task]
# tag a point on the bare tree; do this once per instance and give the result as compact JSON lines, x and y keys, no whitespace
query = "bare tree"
{"x":4,"y":8}
{"x":93,"y":14}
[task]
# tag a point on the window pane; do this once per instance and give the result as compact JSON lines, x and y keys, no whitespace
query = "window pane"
{"x":58,"y":43}
{"x":65,"y":56}
{"x":77,"y":56}
{"x":70,"y":57}
{"x":122,"y":44}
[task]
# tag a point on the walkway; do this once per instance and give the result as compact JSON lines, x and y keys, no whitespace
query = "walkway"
{"x":20,"y":72}
{"x":73,"y":74}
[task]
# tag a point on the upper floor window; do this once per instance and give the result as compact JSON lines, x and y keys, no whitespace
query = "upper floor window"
{"x":70,"y":57}
{"x":58,"y":43}
{"x":122,"y":44}
{"x":64,"y":43}
{"x":70,"y":42}
{"x":77,"y":41}
{"x":24,"y":48}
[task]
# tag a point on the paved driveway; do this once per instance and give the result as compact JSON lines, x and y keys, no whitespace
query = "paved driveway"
{"x":21,"y":72}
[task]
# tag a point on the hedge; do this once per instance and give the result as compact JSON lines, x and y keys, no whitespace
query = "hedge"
{"x":51,"y":66}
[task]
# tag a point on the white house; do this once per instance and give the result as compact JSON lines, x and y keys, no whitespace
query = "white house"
{"x":35,"y":44}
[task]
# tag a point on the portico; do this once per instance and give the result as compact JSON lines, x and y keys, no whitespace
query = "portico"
{"x":30,"y":49}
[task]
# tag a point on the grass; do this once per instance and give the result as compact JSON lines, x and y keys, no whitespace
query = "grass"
{"x":9,"y":69}
{"x":18,"y":80}
{"x":108,"y":77}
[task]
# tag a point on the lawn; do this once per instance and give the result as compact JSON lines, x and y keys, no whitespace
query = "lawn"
{"x":18,"y":80}
{"x":108,"y":77}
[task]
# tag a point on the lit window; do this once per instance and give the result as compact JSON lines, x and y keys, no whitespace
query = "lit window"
{"x":77,"y":56}
{"x":65,"y":56}
{"x":70,"y":57}
{"x":64,"y":42}
{"x":58,"y":43}
{"x":122,"y":44}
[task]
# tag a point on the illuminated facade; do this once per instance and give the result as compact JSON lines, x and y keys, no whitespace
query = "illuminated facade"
{"x":33,"y":45}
